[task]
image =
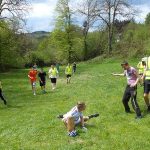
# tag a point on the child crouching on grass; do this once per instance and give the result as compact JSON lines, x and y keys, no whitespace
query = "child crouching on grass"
{"x":75,"y":117}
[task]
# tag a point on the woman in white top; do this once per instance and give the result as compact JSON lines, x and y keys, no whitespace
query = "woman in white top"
{"x":53,"y":73}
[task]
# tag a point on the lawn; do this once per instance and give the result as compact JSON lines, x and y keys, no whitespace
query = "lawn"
{"x":30,"y":123}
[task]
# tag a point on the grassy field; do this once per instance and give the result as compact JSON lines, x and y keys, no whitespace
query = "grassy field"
{"x":29,"y":122}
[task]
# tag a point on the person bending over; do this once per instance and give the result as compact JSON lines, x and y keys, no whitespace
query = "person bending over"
{"x":75,"y":117}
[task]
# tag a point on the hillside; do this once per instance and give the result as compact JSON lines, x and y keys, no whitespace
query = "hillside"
{"x":39,"y":34}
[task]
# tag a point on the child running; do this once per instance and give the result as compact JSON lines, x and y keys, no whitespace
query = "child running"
{"x":42,"y":80}
{"x":32,"y":76}
{"x":68,"y":72}
{"x":53,"y":73}
{"x":75,"y":117}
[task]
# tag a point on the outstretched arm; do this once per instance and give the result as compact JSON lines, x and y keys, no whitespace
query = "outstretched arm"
{"x":118,"y":74}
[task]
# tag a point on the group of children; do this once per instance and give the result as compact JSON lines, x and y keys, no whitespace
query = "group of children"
{"x":75,"y":117}
{"x":53,"y":74}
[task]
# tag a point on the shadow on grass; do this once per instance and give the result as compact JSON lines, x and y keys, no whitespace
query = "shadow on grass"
{"x":145,"y":113}
{"x":13,"y":106}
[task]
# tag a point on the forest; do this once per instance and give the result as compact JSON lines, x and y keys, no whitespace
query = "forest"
{"x":101,"y":34}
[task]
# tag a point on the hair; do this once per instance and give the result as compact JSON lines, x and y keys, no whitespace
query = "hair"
{"x":80,"y":105}
{"x":143,"y":63}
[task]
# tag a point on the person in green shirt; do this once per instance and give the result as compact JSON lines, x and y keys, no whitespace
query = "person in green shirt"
{"x":68,"y":72}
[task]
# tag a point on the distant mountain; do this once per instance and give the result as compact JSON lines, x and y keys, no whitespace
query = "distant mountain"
{"x":39,"y":34}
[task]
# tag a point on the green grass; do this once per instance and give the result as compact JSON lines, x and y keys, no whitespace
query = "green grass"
{"x":29,"y":122}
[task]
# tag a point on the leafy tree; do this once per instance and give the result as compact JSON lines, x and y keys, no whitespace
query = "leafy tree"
{"x":9,"y":54}
{"x":13,"y":8}
{"x":64,"y":26}
{"x":147,"y":19}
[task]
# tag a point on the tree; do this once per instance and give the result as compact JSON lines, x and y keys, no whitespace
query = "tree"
{"x":107,"y":11}
{"x":147,"y":19}
{"x":87,"y":9}
{"x":13,"y":8}
{"x":65,"y":26}
{"x":9,"y":52}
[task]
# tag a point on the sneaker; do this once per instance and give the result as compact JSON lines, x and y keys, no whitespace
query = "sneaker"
{"x":94,"y":115}
{"x":128,"y":111}
{"x":72,"y":133}
{"x":34,"y":94}
{"x":60,"y":116}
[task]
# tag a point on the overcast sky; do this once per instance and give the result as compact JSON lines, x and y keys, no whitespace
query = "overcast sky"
{"x":41,"y":16}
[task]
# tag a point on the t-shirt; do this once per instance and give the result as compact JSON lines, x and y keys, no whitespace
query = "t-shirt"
{"x":131,"y":75}
{"x":74,"y":112}
{"x":32,"y":74}
{"x":42,"y":75}
{"x":68,"y":70}
{"x":53,"y":73}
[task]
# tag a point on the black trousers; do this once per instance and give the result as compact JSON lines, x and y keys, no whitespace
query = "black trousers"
{"x":1,"y":95}
{"x":131,"y":92}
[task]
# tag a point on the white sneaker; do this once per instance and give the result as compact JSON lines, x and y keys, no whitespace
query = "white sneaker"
{"x":72,"y":133}
{"x":34,"y":94}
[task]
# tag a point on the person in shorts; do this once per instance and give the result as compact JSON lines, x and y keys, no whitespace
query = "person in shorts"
{"x":32,"y":76}
{"x":75,"y":117}
{"x":146,"y":79}
{"x":53,"y":74}
{"x":42,"y":79}
{"x":68,"y":72}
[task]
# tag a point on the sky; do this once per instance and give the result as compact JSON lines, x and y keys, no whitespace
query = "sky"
{"x":41,"y":16}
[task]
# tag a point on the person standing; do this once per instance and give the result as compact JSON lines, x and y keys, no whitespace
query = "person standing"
{"x":74,"y":67}
{"x":1,"y":94}
{"x":42,"y":80}
{"x":53,"y":73}
{"x":32,"y":76}
{"x":131,"y":88}
{"x":68,"y":72}
{"x":141,"y":68}
{"x":146,"y":79}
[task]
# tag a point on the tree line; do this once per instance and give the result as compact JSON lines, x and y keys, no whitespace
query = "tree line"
{"x":100,"y":33}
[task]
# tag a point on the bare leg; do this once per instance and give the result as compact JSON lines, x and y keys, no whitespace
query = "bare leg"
{"x":70,"y":124}
{"x":146,"y":99}
{"x":69,"y":79}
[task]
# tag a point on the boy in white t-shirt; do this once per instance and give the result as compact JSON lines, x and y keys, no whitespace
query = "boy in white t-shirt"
{"x":75,"y":117}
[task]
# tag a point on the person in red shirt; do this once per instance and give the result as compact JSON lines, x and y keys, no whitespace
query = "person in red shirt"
{"x":32,"y":76}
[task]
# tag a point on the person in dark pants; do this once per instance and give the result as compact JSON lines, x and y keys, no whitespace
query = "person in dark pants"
{"x":131,"y":88}
{"x":74,"y":67}
{"x":42,"y":80}
{"x":1,"y":94}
